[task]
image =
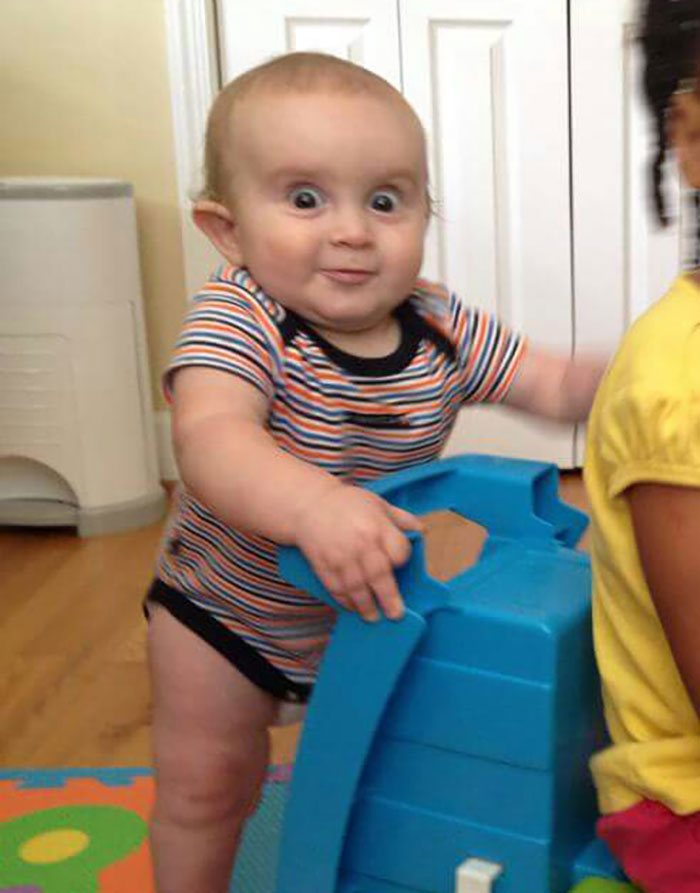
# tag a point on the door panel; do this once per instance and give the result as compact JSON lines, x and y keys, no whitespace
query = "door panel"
{"x":489,"y":78}
{"x":624,"y":261}
{"x":361,"y":31}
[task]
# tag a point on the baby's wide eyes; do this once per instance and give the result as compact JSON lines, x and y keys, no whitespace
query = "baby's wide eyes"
{"x":310,"y":198}
{"x":385,"y":201}
{"x":306,"y":198}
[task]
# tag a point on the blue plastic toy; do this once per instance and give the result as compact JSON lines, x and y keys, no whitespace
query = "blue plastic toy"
{"x":462,"y":733}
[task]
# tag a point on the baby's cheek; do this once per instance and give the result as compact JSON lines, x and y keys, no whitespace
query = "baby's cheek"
{"x":284,"y":245}
{"x":408,"y":254}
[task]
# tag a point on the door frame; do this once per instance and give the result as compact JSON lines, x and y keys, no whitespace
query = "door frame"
{"x":190,"y":27}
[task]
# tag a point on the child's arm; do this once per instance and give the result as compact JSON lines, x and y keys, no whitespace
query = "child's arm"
{"x":666,"y":522}
{"x":229,"y":461}
{"x":556,"y":387}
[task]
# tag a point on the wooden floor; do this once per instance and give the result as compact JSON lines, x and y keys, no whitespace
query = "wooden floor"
{"x":74,"y":687}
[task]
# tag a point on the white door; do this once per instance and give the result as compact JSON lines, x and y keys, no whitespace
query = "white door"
{"x":361,"y":31}
{"x":489,"y":79}
{"x":624,"y":260}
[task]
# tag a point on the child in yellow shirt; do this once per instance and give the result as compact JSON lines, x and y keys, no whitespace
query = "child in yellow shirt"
{"x":642,"y":471}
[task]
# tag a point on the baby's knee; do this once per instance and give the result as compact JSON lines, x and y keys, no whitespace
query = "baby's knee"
{"x":196,"y":790}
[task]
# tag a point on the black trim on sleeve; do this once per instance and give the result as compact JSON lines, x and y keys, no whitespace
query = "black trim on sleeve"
{"x":413,"y":320}
{"x":238,"y":652}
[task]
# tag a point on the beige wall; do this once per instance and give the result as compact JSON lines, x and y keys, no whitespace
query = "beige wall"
{"x":84,"y":91}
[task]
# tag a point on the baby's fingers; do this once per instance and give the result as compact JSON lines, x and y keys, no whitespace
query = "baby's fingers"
{"x":333,"y":580}
{"x":396,"y":546}
{"x":403,"y":519}
{"x":362,"y":601}
{"x":380,"y":575}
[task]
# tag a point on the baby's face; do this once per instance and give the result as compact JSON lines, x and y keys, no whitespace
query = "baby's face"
{"x":329,"y":204}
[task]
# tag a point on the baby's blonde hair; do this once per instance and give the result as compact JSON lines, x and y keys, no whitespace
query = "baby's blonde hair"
{"x":292,"y":73}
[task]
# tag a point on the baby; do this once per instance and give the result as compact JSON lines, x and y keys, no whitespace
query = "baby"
{"x":315,"y":359}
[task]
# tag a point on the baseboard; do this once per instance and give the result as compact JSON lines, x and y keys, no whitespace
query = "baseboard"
{"x":166,"y":457}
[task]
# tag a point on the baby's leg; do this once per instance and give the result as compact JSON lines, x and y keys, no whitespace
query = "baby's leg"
{"x":211,"y":747}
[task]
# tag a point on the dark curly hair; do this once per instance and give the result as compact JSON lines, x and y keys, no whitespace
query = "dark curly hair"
{"x":671,"y":42}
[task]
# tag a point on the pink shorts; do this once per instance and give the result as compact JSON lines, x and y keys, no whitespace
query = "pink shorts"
{"x":658,"y":850}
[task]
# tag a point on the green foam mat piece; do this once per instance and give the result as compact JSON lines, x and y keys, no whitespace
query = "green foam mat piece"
{"x":602,"y":885}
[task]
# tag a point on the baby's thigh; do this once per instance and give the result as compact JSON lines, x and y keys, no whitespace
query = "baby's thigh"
{"x":209,"y":721}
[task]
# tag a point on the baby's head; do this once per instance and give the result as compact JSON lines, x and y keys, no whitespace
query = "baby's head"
{"x":316,"y":181}
{"x":671,"y":43}
{"x":295,"y":75}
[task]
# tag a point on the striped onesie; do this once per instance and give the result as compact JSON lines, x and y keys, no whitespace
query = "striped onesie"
{"x":357,"y":418}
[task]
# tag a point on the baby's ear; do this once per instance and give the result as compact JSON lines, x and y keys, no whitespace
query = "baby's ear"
{"x":217,"y":224}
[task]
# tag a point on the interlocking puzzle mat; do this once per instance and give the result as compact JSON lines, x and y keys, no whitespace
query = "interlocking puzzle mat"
{"x":84,"y":831}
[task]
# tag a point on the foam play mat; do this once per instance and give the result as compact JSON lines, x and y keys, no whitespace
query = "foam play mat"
{"x":84,"y":831}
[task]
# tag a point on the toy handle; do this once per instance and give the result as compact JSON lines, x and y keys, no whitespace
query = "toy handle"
{"x":511,"y":498}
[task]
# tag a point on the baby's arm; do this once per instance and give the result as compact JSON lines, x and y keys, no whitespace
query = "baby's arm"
{"x":555,"y":386}
{"x":230,"y":462}
{"x":666,"y":522}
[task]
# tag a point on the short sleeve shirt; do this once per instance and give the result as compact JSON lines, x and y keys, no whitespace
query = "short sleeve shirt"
{"x":644,"y":427}
{"x":357,"y":418}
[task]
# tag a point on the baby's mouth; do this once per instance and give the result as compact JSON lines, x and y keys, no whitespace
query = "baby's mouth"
{"x":348,"y":275}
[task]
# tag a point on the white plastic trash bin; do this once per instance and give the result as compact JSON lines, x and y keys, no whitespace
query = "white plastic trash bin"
{"x":77,"y":440}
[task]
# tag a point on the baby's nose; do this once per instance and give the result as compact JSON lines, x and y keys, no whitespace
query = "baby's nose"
{"x":351,"y":227}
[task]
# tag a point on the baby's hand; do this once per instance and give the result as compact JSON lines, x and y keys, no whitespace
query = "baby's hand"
{"x":354,"y":540}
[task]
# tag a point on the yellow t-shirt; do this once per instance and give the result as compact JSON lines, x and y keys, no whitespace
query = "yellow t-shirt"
{"x":644,"y":426}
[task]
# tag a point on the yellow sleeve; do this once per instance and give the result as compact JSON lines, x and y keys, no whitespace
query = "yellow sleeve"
{"x":651,"y":434}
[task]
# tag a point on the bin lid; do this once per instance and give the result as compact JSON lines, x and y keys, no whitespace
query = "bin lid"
{"x":62,"y":188}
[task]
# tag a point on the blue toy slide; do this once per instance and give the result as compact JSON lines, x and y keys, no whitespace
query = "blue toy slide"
{"x":460,"y":734}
